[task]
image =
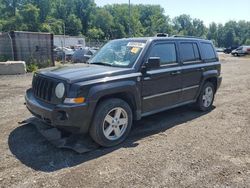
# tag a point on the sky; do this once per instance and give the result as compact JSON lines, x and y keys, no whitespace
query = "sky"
{"x":218,"y":11}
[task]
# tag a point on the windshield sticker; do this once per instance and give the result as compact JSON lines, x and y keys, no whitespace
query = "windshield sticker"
{"x":136,"y":44}
{"x":134,"y":50}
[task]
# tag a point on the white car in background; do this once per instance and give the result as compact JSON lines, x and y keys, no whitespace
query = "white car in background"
{"x":241,"y":51}
{"x":61,"y":52}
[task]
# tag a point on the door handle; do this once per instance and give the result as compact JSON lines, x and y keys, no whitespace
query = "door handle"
{"x":200,"y":69}
{"x":175,"y":73}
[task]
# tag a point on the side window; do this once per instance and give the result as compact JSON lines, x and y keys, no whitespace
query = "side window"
{"x":189,"y":52}
{"x":208,"y":51}
{"x":166,"y":52}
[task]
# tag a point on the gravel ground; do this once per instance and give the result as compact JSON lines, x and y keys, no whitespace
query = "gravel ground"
{"x":176,"y":148}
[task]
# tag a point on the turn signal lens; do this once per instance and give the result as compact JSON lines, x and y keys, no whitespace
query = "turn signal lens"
{"x":77,"y":100}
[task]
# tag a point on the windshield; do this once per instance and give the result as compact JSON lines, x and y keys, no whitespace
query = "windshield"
{"x":118,"y":53}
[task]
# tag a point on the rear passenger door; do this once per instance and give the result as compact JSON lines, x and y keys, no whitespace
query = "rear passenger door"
{"x":161,"y":87}
{"x":191,"y":70}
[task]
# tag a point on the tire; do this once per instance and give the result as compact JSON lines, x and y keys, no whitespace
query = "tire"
{"x":206,"y":98}
{"x":112,"y":122}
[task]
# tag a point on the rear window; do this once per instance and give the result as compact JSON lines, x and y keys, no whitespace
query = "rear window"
{"x":208,"y":51}
{"x":189,"y":52}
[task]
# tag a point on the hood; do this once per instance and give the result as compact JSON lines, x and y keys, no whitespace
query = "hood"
{"x":83,"y":72}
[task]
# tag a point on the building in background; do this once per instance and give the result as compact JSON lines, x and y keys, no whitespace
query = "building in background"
{"x":70,"y":41}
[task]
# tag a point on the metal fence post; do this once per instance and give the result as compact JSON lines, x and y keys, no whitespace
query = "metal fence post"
{"x":11,"y":44}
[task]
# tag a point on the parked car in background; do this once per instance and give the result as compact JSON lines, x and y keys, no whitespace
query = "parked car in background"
{"x":83,"y":55}
{"x":241,"y":51}
{"x":230,"y":49}
{"x":219,"y":49}
{"x":60,"y":52}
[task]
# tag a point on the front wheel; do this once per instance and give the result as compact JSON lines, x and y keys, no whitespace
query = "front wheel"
{"x":206,"y":98}
{"x":112,"y":122}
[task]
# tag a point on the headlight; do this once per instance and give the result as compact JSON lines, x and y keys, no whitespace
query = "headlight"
{"x":59,"y":91}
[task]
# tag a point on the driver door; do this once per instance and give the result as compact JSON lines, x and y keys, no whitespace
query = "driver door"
{"x":161,"y":87}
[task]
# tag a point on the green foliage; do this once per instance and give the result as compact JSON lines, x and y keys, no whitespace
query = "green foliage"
{"x":232,"y":33}
{"x":83,"y":17}
{"x":95,"y":33}
{"x":31,"y":67}
{"x":52,"y":25}
{"x":103,"y":20}
{"x":30,"y":16}
{"x":247,"y":42}
{"x":74,"y":25}
{"x":4,"y":58}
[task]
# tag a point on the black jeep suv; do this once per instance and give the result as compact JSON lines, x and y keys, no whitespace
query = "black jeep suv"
{"x":126,"y":80}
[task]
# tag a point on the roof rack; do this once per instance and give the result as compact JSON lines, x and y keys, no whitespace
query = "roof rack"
{"x":161,"y":35}
{"x":183,"y":36}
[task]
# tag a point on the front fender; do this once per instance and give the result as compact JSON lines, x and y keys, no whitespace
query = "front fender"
{"x":112,"y":88}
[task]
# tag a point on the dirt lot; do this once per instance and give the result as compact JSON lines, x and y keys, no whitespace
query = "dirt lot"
{"x":176,"y":148}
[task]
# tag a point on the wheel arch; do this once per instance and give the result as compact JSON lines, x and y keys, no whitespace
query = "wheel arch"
{"x":211,"y":76}
{"x":126,"y":96}
{"x":125,"y":90}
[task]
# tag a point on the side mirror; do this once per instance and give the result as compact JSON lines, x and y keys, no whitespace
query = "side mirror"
{"x":152,"y":63}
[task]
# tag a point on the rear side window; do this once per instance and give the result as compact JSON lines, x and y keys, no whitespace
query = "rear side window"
{"x":166,"y":52}
{"x":189,"y":52}
{"x":208,"y":51}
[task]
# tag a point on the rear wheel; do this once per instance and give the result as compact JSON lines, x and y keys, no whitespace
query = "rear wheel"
{"x":206,"y":98}
{"x":112,"y":122}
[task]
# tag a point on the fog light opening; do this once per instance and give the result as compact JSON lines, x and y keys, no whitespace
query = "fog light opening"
{"x":62,"y":115}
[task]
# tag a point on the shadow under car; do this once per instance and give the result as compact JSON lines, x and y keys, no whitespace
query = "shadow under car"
{"x":33,"y":150}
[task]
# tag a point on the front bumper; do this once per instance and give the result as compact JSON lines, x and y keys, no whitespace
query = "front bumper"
{"x":72,"y":118}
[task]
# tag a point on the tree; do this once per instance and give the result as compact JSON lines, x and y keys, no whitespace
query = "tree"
{"x":220,"y":35}
{"x":83,"y":9}
{"x":112,"y":21}
{"x":11,"y":6}
{"x":30,"y":17}
{"x":103,"y":20}
{"x":198,"y":28}
{"x":183,"y":24}
{"x":95,"y":33}
{"x":53,"y":25}
{"x":44,"y":6}
{"x":73,"y":25}
{"x":229,"y":37}
{"x":153,"y":20}
{"x":212,"y":33}
{"x":121,"y":19}
{"x":247,"y":41}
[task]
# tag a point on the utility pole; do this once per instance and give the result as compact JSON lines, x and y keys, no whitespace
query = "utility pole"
{"x":129,"y":15}
{"x":64,"y":59}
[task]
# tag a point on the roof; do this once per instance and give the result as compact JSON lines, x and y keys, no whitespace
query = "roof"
{"x":188,"y":38}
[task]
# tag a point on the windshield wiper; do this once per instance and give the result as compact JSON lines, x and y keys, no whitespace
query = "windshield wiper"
{"x":101,"y":63}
